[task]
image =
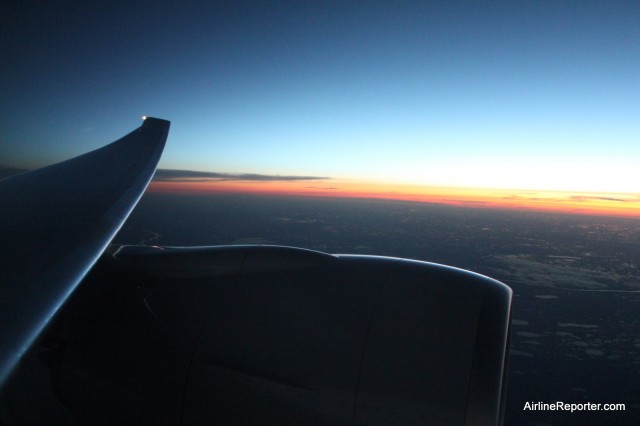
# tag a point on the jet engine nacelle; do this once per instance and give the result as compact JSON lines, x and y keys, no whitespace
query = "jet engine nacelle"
{"x":270,"y":335}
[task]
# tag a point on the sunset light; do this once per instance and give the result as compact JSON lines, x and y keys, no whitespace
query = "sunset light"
{"x":610,"y":204}
{"x":500,"y":138}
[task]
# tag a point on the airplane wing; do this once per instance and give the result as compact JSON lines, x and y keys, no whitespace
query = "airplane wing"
{"x":57,"y":221}
{"x":247,"y":334}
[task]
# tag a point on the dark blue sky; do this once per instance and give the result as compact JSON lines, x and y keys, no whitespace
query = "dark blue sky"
{"x":523,"y":94}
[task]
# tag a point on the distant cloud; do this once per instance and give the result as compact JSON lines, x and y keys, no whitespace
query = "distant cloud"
{"x":514,"y":197}
{"x":170,"y":175}
{"x":466,"y":202}
{"x":578,"y":198}
{"x":557,"y":272}
{"x":591,"y":198}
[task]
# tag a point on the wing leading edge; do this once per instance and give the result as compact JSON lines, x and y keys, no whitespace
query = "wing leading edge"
{"x":55,"y":223}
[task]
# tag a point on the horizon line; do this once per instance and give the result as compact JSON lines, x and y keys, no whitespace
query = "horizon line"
{"x":561,"y":201}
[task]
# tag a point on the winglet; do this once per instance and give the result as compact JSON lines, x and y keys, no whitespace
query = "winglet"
{"x":56,"y":221}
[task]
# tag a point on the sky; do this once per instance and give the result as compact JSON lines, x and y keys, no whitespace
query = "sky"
{"x":529,"y":95}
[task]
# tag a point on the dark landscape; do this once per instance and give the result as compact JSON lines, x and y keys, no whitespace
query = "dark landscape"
{"x":576,"y":282}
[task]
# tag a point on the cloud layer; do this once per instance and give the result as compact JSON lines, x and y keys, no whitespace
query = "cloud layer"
{"x":171,"y":175}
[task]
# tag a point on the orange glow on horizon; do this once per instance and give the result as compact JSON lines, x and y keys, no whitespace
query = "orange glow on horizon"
{"x":564,"y":202}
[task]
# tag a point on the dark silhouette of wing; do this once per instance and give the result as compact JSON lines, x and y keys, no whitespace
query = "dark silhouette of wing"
{"x":55,"y":223}
{"x":239,"y":335}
